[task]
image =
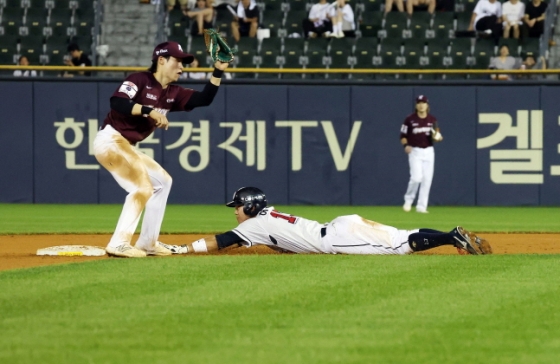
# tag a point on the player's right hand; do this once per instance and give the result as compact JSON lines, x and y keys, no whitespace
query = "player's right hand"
{"x":159,"y":119}
{"x":408,"y":149}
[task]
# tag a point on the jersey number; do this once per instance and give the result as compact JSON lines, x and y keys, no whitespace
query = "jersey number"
{"x":278,"y":215}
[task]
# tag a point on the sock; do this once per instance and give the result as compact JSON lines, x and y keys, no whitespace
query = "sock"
{"x":428,"y":240}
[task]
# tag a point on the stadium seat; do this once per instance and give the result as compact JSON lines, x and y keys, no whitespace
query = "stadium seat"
{"x":368,"y":44}
{"x":8,"y":48}
{"x":13,"y":4}
{"x":443,"y":24}
{"x":340,"y":58}
{"x":31,"y":45}
{"x":415,"y":47}
{"x":37,"y":4}
{"x":345,"y":44}
{"x":293,"y":45}
{"x":368,"y":6}
{"x":391,"y":47}
{"x":59,"y":21}
{"x":419,"y":23}
{"x":272,"y":5}
{"x":293,"y":22}
{"x":35,"y":20}
{"x":395,"y":23}
{"x":438,"y":46}
{"x":530,"y":46}
{"x":273,"y":20}
{"x":247,"y":51}
{"x":299,"y":5}
{"x":463,"y":21}
{"x":484,"y":47}
{"x":461,"y":46}
{"x":178,"y":24}
{"x":292,"y":59}
{"x":222,"y":20}
{"x":317,"y":45}
{"x":371,"y":24}
{"x":197,"y":47}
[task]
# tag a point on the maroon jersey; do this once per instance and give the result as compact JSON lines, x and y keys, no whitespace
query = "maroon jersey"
{"x":418,"y":131}
{"x":144,"y":89}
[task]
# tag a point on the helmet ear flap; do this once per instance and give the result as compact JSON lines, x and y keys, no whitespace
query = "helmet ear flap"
{"x":250,"y":209}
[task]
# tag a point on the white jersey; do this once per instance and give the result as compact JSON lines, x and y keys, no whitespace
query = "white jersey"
{"x":485,"y":8}
{"x":280,"y":230}
{"x":344,"y":235}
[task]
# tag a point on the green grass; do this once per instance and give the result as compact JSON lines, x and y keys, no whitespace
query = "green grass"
{"x":284,"y":309}
{"x":38,"y":219}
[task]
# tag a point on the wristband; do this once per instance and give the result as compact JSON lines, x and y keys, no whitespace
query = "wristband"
{"x":146,"y":110}
{"x":217,"y":73}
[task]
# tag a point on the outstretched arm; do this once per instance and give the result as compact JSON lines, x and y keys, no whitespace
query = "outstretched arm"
{"x":212,"y":243}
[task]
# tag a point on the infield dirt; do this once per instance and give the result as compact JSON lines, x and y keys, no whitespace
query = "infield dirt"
{"x":19,"y":251}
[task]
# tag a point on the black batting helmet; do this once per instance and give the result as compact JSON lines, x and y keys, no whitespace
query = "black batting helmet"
{"x":252,"y":199}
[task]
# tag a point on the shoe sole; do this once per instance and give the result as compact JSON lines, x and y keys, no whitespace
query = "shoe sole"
{"x":482,"y":245}
{"x":128,"y":253}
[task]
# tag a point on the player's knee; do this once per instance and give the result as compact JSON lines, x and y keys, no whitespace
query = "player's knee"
{"x":143,"y":194}
{"x":416,"y":179}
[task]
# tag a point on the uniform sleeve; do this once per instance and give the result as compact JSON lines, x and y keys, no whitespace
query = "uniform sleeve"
{"x":404,"y":129}
{"x":476,"y":9}
{"x":182,"y":98}
{"x":131,"y":87}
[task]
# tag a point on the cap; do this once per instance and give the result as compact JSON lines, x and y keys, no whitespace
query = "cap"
{"x":171,"y":49}
{"x":421,"y":98}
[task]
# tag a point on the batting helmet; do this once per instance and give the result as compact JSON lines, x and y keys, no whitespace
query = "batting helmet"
{"x":252,"y":199}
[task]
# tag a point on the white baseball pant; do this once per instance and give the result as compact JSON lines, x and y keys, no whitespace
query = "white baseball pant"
{"x":353,"y":234}
{"x":147,"y":183}
{"x":421,"y":163}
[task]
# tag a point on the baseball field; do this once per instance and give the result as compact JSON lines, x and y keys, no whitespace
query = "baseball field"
{"x":258,"y":306}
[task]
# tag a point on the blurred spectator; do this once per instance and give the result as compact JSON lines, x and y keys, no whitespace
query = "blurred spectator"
{"x":23,"y":61}
{"x":246,"y":22}
{"x":184,"y":4}
{"x":79,"y":59}
{"x":513,"y":12}
{"x":535,"y":13}
{"x":503,"y":62}
{"x":318,"y":23}
{"x":529,"y":64}
{"x":411,"y":4}
{"x":389,"y":5}
{"x":195,"y":75}
{"x":203,"y":14}
{"x":201,"y":75}
{"x":487,"y":17}
{"x":342,"y":17}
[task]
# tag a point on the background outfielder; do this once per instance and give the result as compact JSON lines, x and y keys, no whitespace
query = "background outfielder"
{"x":262,"y":224}
{"x":139,"y":106}
{"x":418,"y":132}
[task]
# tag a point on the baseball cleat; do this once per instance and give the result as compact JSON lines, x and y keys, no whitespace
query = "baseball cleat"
{"x":175,"y":249}
{"x":420,"y":211}
{"x":469,"y":242}
{"x":156,"y":250}
{"x":406,"y":207}
{"x":125,"y":251}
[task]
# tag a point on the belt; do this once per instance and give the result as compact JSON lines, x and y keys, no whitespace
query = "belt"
{"x":323,"y":232}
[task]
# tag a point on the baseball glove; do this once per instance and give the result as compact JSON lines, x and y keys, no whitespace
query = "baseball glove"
{"x":217,"y":47}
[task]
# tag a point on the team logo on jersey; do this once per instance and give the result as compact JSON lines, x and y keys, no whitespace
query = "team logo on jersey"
{"x":151,"y":97}
{"x":170,"y":100}
{"x":129,"y":88}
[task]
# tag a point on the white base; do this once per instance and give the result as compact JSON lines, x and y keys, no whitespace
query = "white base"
{"x":72,"y":250}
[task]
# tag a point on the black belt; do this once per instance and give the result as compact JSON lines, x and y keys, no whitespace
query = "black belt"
{"x":323,"y":232}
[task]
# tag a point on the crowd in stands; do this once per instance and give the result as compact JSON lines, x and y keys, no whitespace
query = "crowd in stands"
{"x":46,"y":32}
{"x":377,"y":33}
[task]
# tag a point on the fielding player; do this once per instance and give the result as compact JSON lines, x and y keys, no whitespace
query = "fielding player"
{"x":418,"y":132}
{"x":261,"y":224}
{"x":139,"y":106}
